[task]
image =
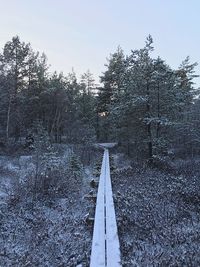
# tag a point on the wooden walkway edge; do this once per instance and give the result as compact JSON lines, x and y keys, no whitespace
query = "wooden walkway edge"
{"x":105,"y":243}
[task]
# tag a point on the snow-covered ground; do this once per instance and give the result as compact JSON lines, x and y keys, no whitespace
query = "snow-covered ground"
{"x":49,"y":232}
{"x":158,"y":214}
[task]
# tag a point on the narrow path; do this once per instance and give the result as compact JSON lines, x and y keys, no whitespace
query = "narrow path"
{"x":105,"y":243}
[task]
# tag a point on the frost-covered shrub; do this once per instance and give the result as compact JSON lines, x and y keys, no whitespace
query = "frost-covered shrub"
{"x":45,"y":236}
{"x":75,"y":167}
{"x":87,"y":154}
{"x":161,"y":162}
{"x":47,"y":174}
{"x":158,"y":217}
{"x":189,"y":167}
{"x":44,"y":225}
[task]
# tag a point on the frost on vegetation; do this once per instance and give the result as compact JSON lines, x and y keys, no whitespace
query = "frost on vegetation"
{"x":158,"y":216}
{"x":42,"y":219}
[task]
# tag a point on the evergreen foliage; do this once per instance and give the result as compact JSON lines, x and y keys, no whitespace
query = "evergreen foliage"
{"x":146,"y":103}
{"x":142,"y":103}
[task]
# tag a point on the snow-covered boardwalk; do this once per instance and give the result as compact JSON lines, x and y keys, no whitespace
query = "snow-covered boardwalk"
{"x":105,"y":243}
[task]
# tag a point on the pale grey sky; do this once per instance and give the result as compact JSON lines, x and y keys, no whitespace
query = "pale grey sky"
{"x":82,"y":33}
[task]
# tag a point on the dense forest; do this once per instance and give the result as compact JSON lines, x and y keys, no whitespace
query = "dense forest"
{"x":150,"y":109}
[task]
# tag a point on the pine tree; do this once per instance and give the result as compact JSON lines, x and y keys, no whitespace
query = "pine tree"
{"x":112,"y":80}
{"x":15,"y":61}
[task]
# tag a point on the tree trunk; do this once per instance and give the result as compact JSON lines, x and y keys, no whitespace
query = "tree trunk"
{"x":158,"y":113}
{"x":150,"y":145}
{"x":97,"y":127}
{"x":53,"y":130}
{"x":149,"y":134}
{"x":8,"y":120}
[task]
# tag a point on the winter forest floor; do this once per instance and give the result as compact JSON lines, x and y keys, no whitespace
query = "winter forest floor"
{"x":52,"y":232}
{"x":158,"y":215}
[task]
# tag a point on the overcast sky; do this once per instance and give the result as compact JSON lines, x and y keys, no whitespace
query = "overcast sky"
{"x":82,"y":33}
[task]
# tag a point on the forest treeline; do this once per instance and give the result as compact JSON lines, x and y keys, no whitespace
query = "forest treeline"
{"x":151,"y":109}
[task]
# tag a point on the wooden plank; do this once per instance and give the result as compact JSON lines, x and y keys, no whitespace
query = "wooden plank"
{"x":105,"y":243}
{"x":112,"y":240}
{"x":98,"y":257}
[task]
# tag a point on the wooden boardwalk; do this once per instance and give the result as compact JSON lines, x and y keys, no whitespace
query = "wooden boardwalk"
{"x":105,"y":243}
